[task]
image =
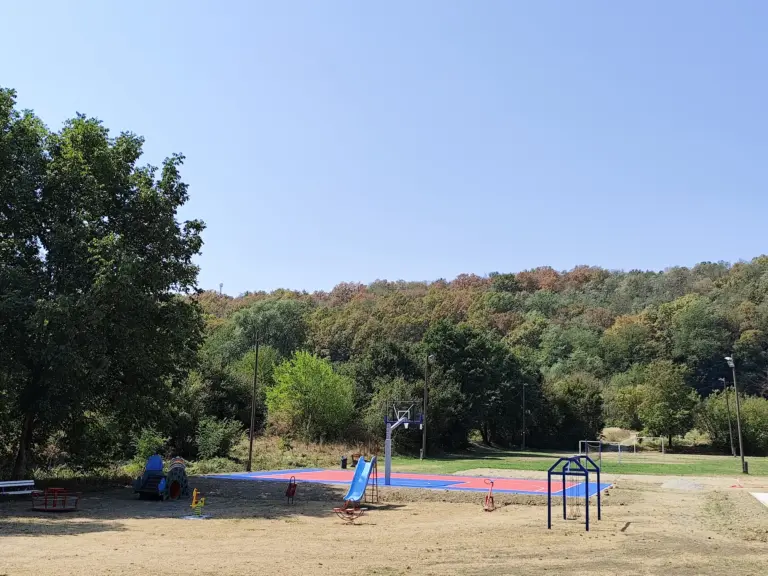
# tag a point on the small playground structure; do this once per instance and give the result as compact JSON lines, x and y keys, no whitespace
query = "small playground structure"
{"x":290,"y":491}
{"x":405,"y":413}
{"x":198,"y":502}
{"x":573,"y":493}
{"x":55,"y":500}
{"x":364,"y":486}
{"x":155,"y":483}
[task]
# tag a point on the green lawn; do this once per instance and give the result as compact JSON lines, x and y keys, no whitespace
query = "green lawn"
{"x":646,"y":463}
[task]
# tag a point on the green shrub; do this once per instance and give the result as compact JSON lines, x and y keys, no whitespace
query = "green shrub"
{"x":309,"y":398}
{"x":216,"y":437}
{"x":712,"y":417}
{"x":149,"y":442}
{"x":214,"y":466}
{"x":239,"y":449}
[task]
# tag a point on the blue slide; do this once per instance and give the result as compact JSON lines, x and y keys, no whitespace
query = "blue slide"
{"x":360,"y":480}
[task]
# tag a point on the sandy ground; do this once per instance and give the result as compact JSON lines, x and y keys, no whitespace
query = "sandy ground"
{"x":696,"y":526}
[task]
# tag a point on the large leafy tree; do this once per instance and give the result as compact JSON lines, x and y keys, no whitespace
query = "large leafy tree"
{"x":668,"y":403}
{"x":577,"y":408}
{"x":94,"y":267}
{"x":488,"y":375}
{"x":280,"y":323}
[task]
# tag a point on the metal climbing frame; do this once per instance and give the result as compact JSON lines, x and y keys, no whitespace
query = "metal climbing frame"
{"x":579,"y":466}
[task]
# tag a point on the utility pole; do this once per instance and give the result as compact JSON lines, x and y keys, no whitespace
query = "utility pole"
{"x":728,"y":409}
{"x":732,"y":365}
{"x":430,"y":358}
{"x":523,"y":444}
{"x":253,"y":403}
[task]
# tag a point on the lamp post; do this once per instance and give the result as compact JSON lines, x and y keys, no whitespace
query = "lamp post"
{"x":732,"y":365}
{"x":523,"y":442}
{"x":430,"y":358}
{"x":253,"y":403}
{"x":728,"y":410}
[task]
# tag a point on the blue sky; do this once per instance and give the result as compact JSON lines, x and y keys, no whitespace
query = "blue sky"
{"x":349,"y":141}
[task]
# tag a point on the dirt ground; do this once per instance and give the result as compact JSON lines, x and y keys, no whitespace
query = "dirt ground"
{"x":651,"y":525}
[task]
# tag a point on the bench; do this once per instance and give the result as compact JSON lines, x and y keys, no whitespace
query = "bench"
{"x":15,"y":487}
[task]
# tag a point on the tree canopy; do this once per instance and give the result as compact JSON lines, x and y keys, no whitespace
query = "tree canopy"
{"x":94,"y":269}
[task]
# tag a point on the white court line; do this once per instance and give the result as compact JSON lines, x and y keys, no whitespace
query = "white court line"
{"x":761,"y":496}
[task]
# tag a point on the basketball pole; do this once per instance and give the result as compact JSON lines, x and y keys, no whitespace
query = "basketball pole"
{"x":388,"y":449}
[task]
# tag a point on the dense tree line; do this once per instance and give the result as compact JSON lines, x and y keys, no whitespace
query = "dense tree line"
{"x":593,"y":347}
{"x":108,"y":349}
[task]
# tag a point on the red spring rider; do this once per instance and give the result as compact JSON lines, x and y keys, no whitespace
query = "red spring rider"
{"x":290,"y":492}
{"x":489,"y":506}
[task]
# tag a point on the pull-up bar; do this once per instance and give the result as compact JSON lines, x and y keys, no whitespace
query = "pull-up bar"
{"x":579,"y":466}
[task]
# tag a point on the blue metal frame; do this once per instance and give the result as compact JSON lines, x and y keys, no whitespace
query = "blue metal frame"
{"x":565,"y":465}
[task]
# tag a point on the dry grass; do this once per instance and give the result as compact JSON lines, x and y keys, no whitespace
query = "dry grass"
{"x":714,"y":530}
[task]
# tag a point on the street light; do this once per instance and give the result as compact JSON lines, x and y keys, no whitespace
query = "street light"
{"x":732,"y":366}
{"x":728,"y":409}
{"x":523,"y":443}
{"x":253,"y":403}
{"x":430,"y":359}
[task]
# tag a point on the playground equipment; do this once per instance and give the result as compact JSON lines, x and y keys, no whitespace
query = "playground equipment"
{"x":55,"y":500}
{"x":198,"y":502}
{"x":399,"y":412}
{"x":157,"y":484}
{"x":290,"y":492}
{"x":488,"y":506}
{"x":365,"y":474}
{"x":573,"y":467}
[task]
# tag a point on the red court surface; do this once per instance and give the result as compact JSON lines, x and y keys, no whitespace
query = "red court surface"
{"x":429,"y":481}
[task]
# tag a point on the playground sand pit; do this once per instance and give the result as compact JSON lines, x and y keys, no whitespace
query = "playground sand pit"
{"x":646,"y":529}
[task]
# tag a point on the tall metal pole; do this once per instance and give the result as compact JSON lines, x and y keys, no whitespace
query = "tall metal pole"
{"x":253,"y":404}
{"x":728,"y":409}
{"x":388,"y":455}
{"x":523,"y":444}
{"x":738,"y":420}
{"x":424,"y":411}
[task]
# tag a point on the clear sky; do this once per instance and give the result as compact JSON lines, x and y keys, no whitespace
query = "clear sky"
{"x":333,"y":141}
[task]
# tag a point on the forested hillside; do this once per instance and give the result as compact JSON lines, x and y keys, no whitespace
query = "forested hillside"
{"x":642,"y":350}
{"x":108,"y":351}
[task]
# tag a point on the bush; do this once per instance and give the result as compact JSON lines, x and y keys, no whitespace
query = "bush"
{"x":712,"y":417}
{"x":214,"y":466}
{"x":308,"y":397}
{"x":149,"y":442}
{"x":239,"y":450}
{"x":216,"y":437}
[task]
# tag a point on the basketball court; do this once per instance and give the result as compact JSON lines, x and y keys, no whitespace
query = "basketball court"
{"x":425,"y":481}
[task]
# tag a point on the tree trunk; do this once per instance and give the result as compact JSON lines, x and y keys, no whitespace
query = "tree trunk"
{"x":25,"y":439}
{"x":669,"y":441}
{"x":484,"y":434}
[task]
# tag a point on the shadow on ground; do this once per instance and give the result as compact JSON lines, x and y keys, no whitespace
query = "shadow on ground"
{"x":225,"y":499}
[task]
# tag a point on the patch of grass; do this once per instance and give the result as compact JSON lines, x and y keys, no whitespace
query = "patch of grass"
{"x":646,"y":463}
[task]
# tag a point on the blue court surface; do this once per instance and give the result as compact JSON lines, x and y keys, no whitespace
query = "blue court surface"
{"x":426,"y":481}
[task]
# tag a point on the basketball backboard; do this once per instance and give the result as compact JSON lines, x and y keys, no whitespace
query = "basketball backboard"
{"x":409,"y":410}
